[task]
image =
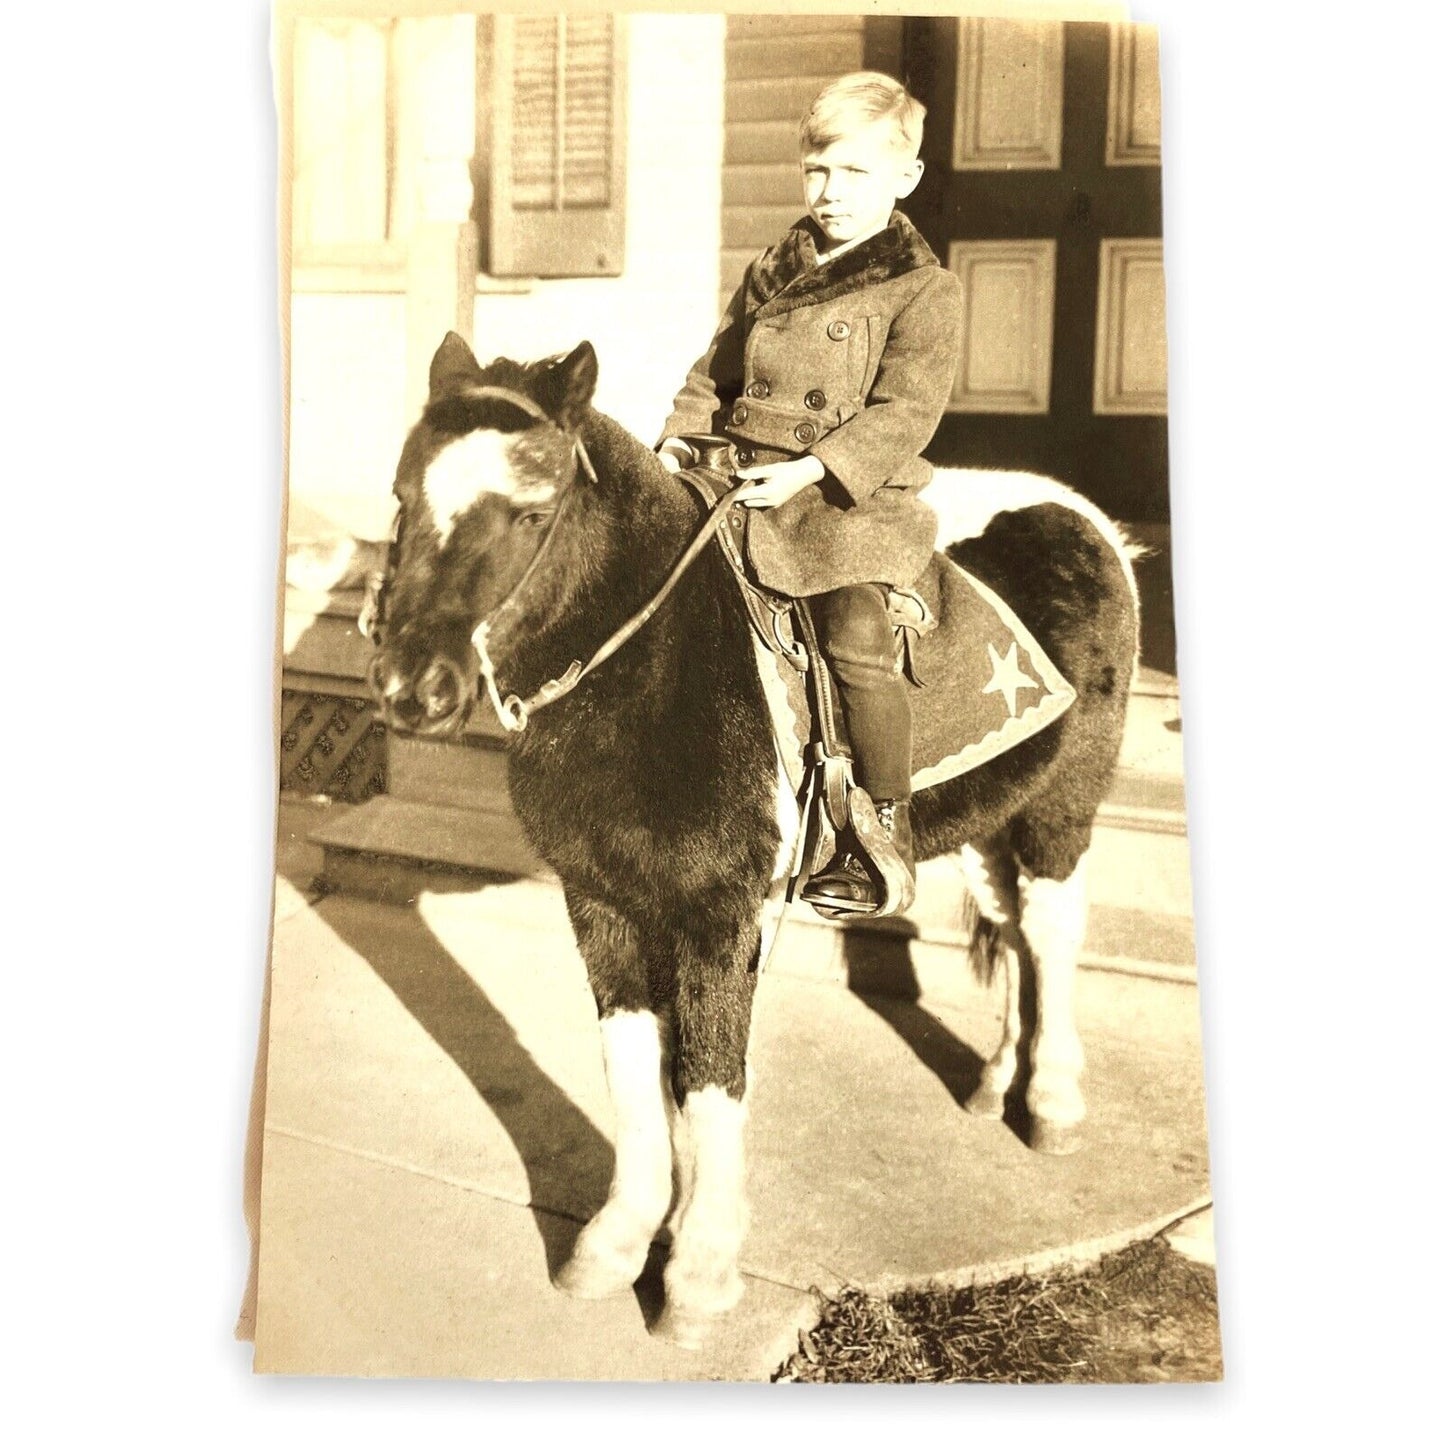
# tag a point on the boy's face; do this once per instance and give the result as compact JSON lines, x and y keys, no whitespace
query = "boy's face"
{"x":850,"y":185}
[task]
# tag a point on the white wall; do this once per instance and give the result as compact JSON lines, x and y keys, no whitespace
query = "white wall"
{"x":348,"y":389}
{"x":648,"y":325}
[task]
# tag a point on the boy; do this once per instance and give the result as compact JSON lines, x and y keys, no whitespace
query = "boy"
{"x":828,"y":373}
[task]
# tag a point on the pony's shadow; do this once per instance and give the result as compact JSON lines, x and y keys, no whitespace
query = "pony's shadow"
{"x":881,"y":974}
{"x":568,"y":1162}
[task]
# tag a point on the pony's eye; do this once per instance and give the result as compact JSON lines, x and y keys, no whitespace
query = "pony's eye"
{"x":534,"y":519}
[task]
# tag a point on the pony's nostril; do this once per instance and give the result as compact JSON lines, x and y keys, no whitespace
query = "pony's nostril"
{"x":439,"y":690}
{"x":383,"y":679}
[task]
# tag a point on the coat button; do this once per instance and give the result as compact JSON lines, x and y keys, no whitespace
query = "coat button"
{"x":759,"y":390}
{"x":815,"y":400}
{"x":740,"y":414}
{"x":805,"y":432}
{"x":838,"y":330}
{"x":745,"y":456}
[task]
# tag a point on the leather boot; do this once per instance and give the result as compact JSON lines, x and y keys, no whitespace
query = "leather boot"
{"x":846,"y":882}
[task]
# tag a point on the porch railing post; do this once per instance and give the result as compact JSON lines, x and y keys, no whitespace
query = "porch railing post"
{"x":442,"y":251}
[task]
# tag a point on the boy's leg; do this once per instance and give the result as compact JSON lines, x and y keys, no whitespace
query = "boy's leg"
{"x":853,"y":630}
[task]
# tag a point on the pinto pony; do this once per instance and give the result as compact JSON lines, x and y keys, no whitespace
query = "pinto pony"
{"x":531,"y":531}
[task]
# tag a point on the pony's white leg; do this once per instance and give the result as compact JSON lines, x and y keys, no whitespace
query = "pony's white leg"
{"x":1052,"y":915}
{"x":702,"y":1280}
{"x":611,"y":1251}
{"x":990,"y":878}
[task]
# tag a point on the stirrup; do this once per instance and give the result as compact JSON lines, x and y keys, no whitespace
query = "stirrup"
{"x":892,"y":875}
{"x":843,"y":888}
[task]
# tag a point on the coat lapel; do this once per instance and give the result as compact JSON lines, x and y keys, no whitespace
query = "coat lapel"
{"x":788,"y":275}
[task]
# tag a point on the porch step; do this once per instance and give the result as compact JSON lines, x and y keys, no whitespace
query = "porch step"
{"x":469,"y":774}
{"x":447,"y":824}
{"x":393,"y":849}
{"x":474,"y":773}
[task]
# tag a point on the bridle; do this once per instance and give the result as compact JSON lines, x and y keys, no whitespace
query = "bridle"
{"x":513,"y":711}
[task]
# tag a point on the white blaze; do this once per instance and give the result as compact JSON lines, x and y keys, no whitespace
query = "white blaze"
{"x":474,"y":466}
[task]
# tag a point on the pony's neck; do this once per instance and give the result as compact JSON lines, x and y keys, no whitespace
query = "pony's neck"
{"x":628,"y":530}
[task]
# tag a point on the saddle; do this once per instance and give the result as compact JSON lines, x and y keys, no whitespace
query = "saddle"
{"x":831,"y":803}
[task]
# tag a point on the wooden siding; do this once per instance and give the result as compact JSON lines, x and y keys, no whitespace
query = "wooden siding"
{"x":776,"y":64}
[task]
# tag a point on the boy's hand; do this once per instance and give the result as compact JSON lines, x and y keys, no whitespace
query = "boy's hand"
{"x":778,"y":482}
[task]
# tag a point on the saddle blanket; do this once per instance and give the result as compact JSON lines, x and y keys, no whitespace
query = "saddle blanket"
{"x":986,"y":684}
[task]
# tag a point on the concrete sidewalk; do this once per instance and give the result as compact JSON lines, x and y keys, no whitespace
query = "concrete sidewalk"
{"x":437,"y":1130}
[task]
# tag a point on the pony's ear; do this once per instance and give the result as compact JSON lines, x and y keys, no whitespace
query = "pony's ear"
{"x":566,"y":386}
{"x":453,"y":363}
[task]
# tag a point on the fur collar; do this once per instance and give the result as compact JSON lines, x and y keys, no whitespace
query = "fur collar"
{"x":788,"y":275}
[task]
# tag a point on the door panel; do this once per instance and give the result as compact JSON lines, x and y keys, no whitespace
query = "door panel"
{"x":1008,"y":325}
{"x":1008,"y":114}
{"x":1130,"y":361}
{"x":1104,"y":189}
{"x":1135,"y":110}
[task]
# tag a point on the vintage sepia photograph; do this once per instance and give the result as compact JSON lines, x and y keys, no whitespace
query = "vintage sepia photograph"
{"x":733,"y":914}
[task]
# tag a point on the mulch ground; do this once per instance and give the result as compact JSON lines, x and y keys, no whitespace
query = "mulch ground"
{"x":1146,"y":1314}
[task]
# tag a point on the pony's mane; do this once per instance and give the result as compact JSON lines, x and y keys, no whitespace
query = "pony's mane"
{"x":620,"y":459}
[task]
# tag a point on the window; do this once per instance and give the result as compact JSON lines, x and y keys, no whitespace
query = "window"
{"x":529,"y":106}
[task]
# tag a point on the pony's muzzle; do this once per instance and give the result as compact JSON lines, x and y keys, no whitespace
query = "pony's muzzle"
{"x":435,"y":702}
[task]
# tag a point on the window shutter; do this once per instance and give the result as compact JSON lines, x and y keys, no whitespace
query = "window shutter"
{"x":556,"y":191}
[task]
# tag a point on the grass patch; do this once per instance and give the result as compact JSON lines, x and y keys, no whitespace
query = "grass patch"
{"x":1144,"y":1314}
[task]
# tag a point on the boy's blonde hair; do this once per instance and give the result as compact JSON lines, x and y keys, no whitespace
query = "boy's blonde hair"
{"x":860,"y":99}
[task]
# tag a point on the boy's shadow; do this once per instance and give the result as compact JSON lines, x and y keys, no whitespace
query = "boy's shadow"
{"x":881,"y":974}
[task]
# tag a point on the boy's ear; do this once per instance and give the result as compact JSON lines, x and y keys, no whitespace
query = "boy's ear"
{"x":565,"y":388}
{"x":909,"y":177}
{"x":453,"y":362}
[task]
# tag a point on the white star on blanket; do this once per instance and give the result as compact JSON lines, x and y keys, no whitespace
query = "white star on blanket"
{"x":1008,"y":677}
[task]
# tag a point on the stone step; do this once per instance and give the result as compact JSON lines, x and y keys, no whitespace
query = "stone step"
{"x":1139,"y":862}
{"x":469,"y":774}
{"x":393,"y":849}
{"x":473,"y":772}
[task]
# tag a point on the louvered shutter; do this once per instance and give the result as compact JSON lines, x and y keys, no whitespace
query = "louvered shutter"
{"x":556,"y":192}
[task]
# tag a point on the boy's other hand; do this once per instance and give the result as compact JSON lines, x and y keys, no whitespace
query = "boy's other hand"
{"x":675,"y":454}
{"x":778,"y":482}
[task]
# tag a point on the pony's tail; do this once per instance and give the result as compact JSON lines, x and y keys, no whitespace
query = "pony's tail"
{"x":985,"y":942}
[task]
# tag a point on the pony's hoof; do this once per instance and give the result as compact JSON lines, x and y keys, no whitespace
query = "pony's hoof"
{"x":1049,"y":1138}
{"x":686,"y":1329}
{"x":589,"y":1276}
{"x":985,"y":1103}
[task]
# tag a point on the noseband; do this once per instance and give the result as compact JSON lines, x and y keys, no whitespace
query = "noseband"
{"x":513,"y":711}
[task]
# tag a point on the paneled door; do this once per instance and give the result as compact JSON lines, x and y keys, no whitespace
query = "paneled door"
{"x":1042,"y":191}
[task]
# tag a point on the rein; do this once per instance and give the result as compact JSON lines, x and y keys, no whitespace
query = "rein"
{"x":512,"y":711}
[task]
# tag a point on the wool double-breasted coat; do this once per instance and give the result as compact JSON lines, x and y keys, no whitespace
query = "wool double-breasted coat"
{"x":851,"y":360}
